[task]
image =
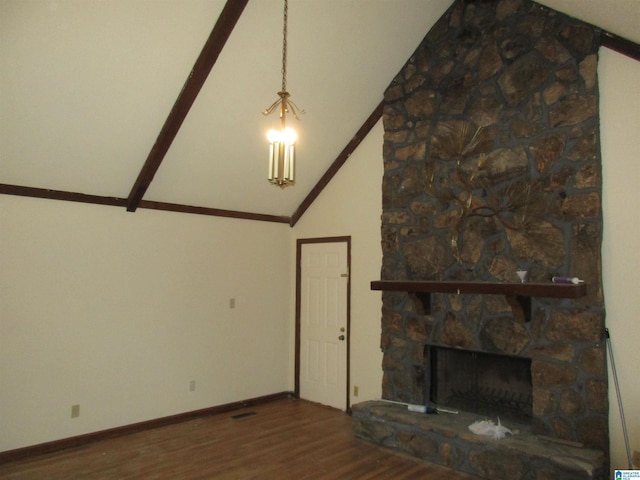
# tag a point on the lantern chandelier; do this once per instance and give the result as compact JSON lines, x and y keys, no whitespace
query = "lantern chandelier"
{"x":282,"y":142}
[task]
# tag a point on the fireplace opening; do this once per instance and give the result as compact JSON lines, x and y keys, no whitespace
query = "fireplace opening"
{"x":486,"y":384}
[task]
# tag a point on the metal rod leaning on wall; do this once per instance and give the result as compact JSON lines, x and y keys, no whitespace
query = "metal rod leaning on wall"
{"x":615,"y":381}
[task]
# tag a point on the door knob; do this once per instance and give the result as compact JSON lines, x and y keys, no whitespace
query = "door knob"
{"x":341,"y":337}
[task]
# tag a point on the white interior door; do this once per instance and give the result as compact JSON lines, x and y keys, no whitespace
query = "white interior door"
{"x":323,"y":323}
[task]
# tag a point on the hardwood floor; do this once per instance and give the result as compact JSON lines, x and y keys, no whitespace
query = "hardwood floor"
{"x":285,"y":439}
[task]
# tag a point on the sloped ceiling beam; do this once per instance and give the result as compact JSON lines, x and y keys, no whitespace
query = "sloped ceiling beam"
{"x":214,"y":212}
{"x":620,"y":45}
{"x":338,"y":162}
{"x":50,"y":194}
{"x":201,"y":69}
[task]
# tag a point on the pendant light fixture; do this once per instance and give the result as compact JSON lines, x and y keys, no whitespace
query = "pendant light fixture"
{"x":282,"y":141}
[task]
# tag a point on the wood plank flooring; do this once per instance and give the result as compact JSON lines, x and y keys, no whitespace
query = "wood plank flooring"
{"x":285,"y":439}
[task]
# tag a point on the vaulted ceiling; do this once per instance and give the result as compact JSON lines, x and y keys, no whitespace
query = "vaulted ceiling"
{"x":100,"y":100}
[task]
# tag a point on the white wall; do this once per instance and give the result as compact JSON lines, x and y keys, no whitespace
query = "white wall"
{"x":620,"y":131}
{"x":351,"y":205}
{"x":118,"y":312}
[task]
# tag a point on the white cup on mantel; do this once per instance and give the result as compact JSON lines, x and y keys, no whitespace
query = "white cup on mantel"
{"x":522,"y":275}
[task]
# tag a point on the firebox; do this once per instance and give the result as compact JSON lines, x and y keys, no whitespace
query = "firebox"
{"x":486,"y":384}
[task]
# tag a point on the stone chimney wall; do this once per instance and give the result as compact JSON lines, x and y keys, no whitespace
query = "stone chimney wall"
{"x":492,"y":165}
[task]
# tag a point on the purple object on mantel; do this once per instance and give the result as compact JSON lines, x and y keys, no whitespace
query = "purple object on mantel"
{"x":573,"y":280}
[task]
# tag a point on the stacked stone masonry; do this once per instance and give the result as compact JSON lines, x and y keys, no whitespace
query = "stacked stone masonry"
{"x":445,"y":439}
{"x":492,"y":165}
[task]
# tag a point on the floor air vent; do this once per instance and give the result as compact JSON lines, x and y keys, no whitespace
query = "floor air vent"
{"x":242,"y":415}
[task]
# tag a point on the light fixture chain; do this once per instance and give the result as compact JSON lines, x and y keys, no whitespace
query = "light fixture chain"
{"x":284,"y":46}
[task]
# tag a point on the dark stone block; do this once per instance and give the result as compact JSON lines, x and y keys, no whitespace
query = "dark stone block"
{"x":597,"y":400}
{"x":417,"y":445}
{"x":544,"y":401}
{"x":546,"y":374}
{"x":571,"y":403}
{"x":503,"y":336}
{"x":553,"y":50}
{"x":593,"y":432}
{"x":523,"y":77}
{"x":559,"y":351}
{"x":490,"y":464}
{"x":418,"y":329}
{"x":574,"y":109}
{"x":506,"y":163}
{"x":547,"y":150}
{"x":427,"y":258}
{"x":579,"y":37}
{"x":490,"y":62}
{"x":592,"y":361}
{"x":456,"y":334}
{"x":567,"y":326}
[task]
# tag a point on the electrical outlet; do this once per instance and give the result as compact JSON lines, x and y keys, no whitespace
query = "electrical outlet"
{"x":355,"y":391}
{"x":192,"y":386}
{"x":75,"y":411}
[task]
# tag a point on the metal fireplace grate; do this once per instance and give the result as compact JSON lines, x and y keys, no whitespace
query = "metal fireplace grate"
{"x":482,"y":383}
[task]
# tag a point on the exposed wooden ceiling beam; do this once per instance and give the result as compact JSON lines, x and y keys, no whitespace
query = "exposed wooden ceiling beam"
{"x":61,"y":195}
{"x":208,"y":56}
{"x":47,"y":193}
{"x":620,"y":45}
{"x":216,"y":212}
{"x":338,"y":162}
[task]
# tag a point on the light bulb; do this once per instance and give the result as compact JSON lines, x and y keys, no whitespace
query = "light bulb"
{"x":273,"y":136}
{"x":289,"y":136}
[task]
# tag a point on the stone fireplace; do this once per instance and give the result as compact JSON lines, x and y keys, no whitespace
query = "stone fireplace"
{"x":492,"y":165}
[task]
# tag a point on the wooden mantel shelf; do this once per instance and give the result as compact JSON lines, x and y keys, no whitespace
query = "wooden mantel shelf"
{"x":553,"y":290}
{"x":517,"y":294}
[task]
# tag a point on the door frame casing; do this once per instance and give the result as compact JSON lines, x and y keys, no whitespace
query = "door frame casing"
{"x":299,"y":244}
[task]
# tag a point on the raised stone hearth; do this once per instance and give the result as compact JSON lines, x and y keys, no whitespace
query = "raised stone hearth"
{"x":492,"y":165}
{"x":446,"y":440}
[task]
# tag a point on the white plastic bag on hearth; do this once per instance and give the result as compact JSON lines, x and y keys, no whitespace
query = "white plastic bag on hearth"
{"x":490,"y":429}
